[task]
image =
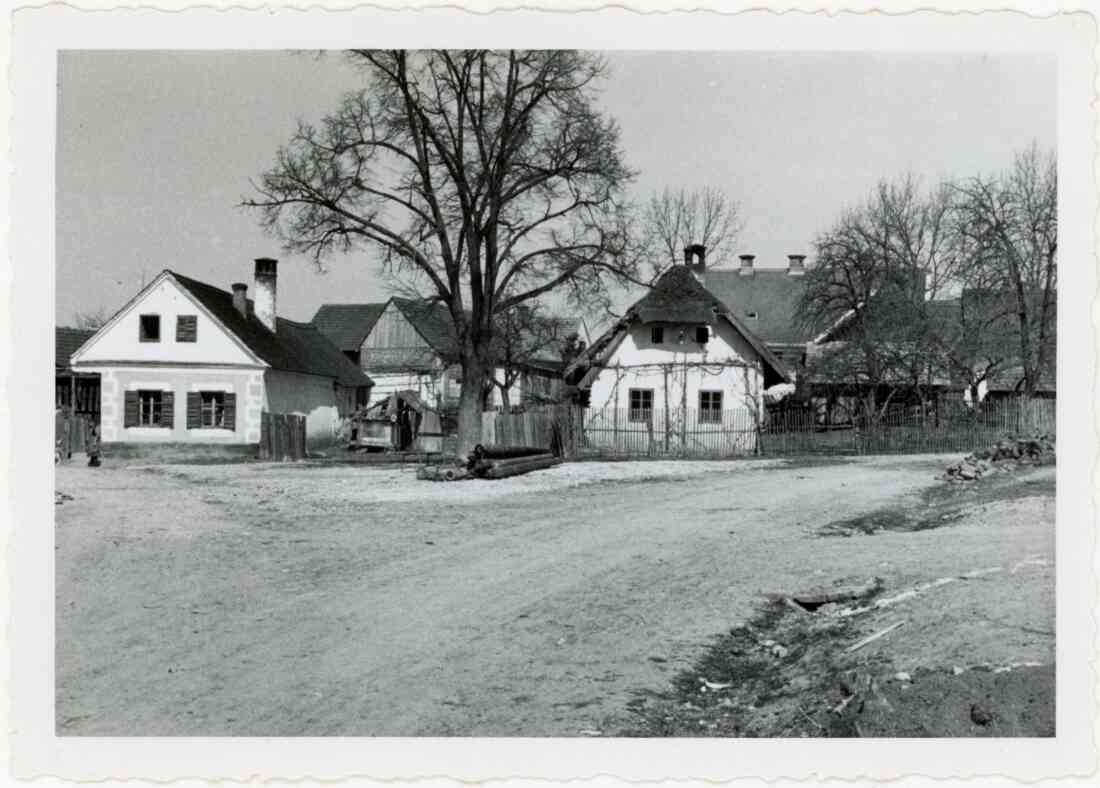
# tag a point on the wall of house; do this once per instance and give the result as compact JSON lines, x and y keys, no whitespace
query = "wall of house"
{"x":317,"y":398}
{"x":115,"y":381}
{"x":676,"y":373}
{"x":120,"y":340}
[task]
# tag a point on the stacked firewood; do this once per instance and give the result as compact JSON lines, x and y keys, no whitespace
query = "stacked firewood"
{"x":1007,"y":454}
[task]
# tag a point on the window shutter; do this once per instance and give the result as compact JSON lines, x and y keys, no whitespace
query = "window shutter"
{"x":230,"y":411}
{"x":194,"y":410}
{"x":130,"y":409}
{"x":187,"y":328}
{"x":168,"y":409}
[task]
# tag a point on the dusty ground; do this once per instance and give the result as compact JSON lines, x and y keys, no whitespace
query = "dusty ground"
{"x":316,"y":600}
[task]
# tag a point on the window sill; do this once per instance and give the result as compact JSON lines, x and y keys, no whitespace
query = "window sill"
{"x":150,"y":427}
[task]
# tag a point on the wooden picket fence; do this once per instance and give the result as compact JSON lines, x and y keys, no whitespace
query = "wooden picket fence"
{"x":282,"y":436}
{"x":573,"y":431}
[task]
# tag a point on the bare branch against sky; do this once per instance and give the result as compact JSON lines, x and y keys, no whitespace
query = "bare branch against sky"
{"x":155,"y":149}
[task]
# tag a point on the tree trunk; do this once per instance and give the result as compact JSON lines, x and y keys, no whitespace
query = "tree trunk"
{"x":470,"y":403}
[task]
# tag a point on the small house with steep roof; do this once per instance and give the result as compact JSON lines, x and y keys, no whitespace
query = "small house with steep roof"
{"x":679,"y":369}
{"x":185,"y":361}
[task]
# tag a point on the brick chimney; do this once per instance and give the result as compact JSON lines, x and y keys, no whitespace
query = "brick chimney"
{"x":695,"y":258}
{"x":240,"y":298}
{"x":746,"y":264}
{"x":264,"y":299}
{"x":796,"y":264}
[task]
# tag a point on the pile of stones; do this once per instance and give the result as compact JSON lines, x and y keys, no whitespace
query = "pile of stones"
{"x":1006,"y":455}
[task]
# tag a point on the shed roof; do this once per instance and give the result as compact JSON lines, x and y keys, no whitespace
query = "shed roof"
{"x":66,"y":342}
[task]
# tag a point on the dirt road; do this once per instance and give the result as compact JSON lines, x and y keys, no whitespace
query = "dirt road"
{"x":275,"y":600}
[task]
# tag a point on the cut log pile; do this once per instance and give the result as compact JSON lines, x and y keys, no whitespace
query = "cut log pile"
{"x":1006,"y":455}
{"x":491,"y":463}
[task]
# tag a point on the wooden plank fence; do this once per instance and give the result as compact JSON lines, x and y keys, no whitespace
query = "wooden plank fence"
{"x":72,"y":431}
{"x":950,"y":426}
{"x":282,"y":436}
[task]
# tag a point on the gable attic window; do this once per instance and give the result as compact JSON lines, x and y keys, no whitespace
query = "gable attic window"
{"x":641,"y":405}
{"x":753,"y":316}
{"x":657,"y":335}
{"x":702,"y":334}
{"x":149,"y":328}
{"x":187,"y":328}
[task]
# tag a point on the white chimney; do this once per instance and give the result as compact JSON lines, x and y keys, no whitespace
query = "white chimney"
{"x":796,"y":264}
{"x":263,"y":301}
{"x":746,"y":264}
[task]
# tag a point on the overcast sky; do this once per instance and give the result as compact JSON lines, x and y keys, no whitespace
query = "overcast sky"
{"x":156,"y":149}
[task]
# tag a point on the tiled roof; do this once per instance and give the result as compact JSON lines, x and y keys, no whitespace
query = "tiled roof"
{"x":67,"y":341}
{"x":771,"y":294}
{"x":677,"y":297}
{"x":293,"y":347}
{"x":347,"y":325}
{"x":432,"y":319}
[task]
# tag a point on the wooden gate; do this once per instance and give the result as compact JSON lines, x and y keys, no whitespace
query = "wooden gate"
{"x":282,"y":436}
{"x":72,"y":431}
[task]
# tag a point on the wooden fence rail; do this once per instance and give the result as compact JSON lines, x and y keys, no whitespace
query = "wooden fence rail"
{"x":573,"y":431}
{"x":282,"y":436}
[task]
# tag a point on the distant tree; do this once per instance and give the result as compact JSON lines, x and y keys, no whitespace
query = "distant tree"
{"x":674,"y":219}
{"x":486,"y":179}
{"x":92,"y":319}
{"x":1009,"y":226}
{"x":874,"y":269}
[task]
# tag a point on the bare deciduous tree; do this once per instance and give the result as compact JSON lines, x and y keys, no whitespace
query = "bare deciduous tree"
{"x":874,"y":270}
{"x":483,"y":178}
{"x":674,"y":219}
{"x":524,"y":336}
{"x":1009,"y":223}
{"x":91,"y":320}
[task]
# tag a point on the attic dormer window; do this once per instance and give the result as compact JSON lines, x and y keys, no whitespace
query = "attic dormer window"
{"x":753,"y":316}
{"x":657,"y":335}
{"x":702,"y":334}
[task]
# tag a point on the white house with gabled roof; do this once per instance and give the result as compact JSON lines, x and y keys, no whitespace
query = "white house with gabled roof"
{"x":187,"y":362}
{"x":678,"y":372}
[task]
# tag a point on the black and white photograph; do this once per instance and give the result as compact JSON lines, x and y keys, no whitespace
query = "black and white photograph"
{"x":597,"y":392}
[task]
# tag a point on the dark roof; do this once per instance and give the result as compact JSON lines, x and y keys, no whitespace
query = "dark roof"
{"x":67,"y":341}
{"x":772,"y":294}
{"x":294,"y":347}
{"x":432,"y":319}
{"x":677,"y":297}
{"x":347,"y":325}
